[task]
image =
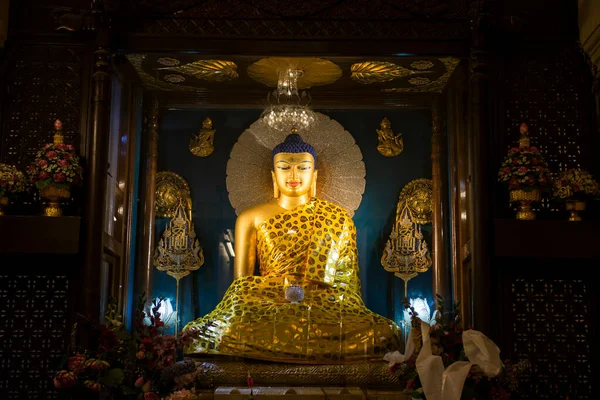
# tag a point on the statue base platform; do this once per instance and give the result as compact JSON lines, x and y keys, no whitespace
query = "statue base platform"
{"x":230,"y":372}
{"x":301,"y":393}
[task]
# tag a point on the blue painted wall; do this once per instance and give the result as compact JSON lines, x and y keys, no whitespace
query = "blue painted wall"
{"x":213,"y":214}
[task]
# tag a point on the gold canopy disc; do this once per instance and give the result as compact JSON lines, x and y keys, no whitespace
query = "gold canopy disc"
{"x":315,"y":71}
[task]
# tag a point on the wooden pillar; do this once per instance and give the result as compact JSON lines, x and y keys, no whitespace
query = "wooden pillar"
{"x":441,"y":270}
{"x":95,"y":176}
{"x":480,"y":222}
{"x":144,"y":266}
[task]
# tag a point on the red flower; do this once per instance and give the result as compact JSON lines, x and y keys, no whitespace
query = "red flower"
{"x":42,"y":163}
{"x":92,"y":385}
{"x":64,"y":379}
{"x":76,"y":363}
{"x":70,"y":147}
{"x":63,"y":163}
{"x":51,"y":154}
{"x":67,"y":156}
{"x":59,"y":177}
{"x":60,"y":146}
{"x":44,"y":175}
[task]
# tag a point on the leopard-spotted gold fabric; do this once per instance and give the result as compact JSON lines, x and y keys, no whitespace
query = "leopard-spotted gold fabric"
{"x":314,"y":246}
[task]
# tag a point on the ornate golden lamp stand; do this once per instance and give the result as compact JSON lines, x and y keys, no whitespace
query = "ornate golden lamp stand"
{"x":179,"y":252}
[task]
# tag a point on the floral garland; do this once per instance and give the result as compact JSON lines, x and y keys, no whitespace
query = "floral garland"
{"x":575,"y":184}
{"x":524,"y":168}
{"x":58,"y":164}
{"x":11,"y":180}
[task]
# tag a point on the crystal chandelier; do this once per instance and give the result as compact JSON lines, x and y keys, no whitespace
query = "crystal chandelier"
{"x":289,"y":111}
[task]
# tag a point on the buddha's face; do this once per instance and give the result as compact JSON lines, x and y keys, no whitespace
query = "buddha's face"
{"x":294,"y":173}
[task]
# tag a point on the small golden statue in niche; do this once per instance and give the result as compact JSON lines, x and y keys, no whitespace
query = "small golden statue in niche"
{"x":390,"y":145}
{"x":201,"y":145}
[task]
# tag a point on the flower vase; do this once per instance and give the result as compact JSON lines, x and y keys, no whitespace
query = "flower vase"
{"x":525,"y":198}
{"x":3,"y":203}
{"x":574,"y":207}
{"x":54,"y":194}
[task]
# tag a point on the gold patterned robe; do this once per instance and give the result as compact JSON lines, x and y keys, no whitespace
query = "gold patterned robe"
{"x":314,"y":246}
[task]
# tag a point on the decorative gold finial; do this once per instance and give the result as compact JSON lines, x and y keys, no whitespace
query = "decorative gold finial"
{"x":201,"y":145}
{"x":524,"y":140}
{"x":58,"y":135}
{"x":390,"y":145}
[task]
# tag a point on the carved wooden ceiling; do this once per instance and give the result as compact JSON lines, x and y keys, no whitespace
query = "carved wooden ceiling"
{"x":192,"y":80}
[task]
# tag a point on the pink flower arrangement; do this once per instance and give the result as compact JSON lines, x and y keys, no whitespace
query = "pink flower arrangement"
{"x":56,"y":163}
{"x":11,"y":180}
{"x":524,"y":168}
{"x":130,"y":365}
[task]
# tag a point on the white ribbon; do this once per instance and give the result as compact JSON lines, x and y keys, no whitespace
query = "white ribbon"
{"x":440,"y":384}
{"x":398,"y":358}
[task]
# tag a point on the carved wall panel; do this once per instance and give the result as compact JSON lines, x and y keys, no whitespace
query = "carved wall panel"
{"x":43,"y":83}
{"x":34,"y":315}
{"x":552,"y":327}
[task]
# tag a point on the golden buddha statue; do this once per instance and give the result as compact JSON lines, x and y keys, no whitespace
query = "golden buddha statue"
{"x":306,"y":306}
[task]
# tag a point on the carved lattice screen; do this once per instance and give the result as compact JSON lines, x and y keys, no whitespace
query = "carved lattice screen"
{"x":551,"y":326}
{"x":34,"y":315}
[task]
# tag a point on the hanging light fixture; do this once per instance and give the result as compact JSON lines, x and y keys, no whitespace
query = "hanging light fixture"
{"x":289,"y":111}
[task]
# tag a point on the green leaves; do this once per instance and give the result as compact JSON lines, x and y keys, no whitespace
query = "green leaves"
{"x":114,"y":377}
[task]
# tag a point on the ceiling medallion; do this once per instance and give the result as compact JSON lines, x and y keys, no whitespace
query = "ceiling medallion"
{"x":436,"y":86}
{"x":315,"y":71}
{"x":419,"y":80}
{"x":171,"y":191}
{"x":421,"y":65}
{"x":172,"y":78}
{"x":209,"y":70}
{"x":380,"y":71}
{"x":168,"y":61}
{"x":417,"y":195}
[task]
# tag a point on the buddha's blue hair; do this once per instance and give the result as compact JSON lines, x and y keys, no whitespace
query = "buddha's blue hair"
{"x":293,"y":143}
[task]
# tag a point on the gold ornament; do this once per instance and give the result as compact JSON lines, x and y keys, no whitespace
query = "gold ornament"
{"x":421,"y":64}
{"x":314,"y":71}
{"x":202,"y":144}
{"x":525,"y":198}
{"x":436,"y":86}
{"x":339,"y":162}
{"x":54,"y":194}
{"x":209,"y":70}
{"x":379,"y":71}
{"x":171,"y":190}
{"x":406,"y":253}
{"x":574,"y":207}
{"x":390,"y":145}
{"x":179,"y":253}
{"x":417,"y":195}
{"x":3,"y":203}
